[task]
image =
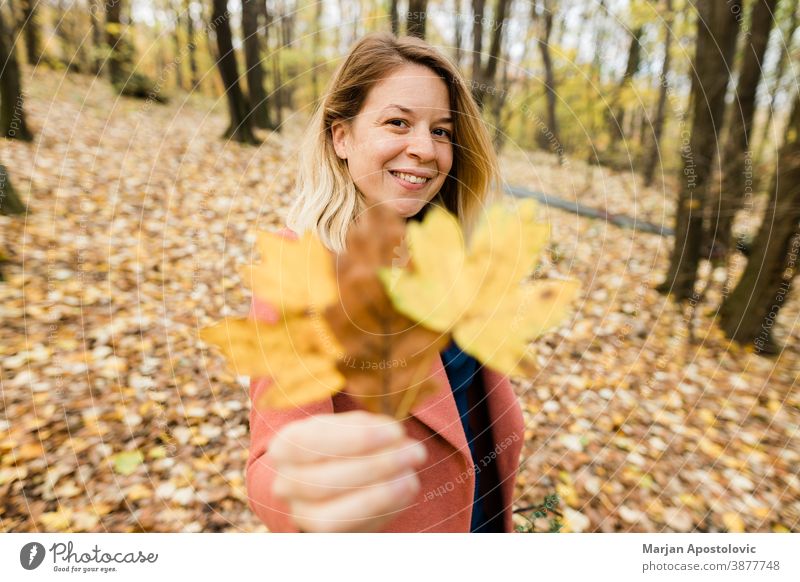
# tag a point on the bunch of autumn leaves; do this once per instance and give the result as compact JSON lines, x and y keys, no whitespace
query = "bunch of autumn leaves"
{"x":373,"y":320}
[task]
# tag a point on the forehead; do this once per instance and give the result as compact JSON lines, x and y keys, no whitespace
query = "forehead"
{"x":413,"y":87}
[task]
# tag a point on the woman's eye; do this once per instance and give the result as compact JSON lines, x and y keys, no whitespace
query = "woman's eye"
{"x":444,"y":133}
{"x":397,"y":122}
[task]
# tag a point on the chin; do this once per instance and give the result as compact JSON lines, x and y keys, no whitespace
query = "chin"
{"x":407,"y":207}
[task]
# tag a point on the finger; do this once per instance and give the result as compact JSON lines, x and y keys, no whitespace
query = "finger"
{"x":362,"y":510}
{"x":327,"y":436}
{"x":318,"y":481}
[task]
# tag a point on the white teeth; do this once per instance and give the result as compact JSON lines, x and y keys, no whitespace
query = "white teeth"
{"x":411,"y":178}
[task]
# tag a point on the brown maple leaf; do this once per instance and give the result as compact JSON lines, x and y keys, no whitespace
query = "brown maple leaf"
{"x":389,"y":356}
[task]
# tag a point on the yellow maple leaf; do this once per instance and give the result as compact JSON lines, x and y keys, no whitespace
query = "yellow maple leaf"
{"x":294,"y":275}
{"x":477,"y":293}
{"x":299,"y":354}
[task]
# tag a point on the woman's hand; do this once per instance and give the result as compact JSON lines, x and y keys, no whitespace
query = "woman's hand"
{"x":345,"y":472}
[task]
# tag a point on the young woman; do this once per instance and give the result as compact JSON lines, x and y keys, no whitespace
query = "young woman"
{"x":397,"y":126}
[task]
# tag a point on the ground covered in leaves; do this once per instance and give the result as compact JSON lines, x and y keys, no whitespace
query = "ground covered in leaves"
{"x":114,"y":418}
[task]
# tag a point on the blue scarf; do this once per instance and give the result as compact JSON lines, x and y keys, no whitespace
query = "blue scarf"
{"x":461,"y":369}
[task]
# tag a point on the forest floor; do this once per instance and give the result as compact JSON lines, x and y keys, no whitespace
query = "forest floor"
{"x":115,"y":419}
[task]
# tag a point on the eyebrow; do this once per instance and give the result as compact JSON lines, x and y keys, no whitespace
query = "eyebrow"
{"x":411,"y":111}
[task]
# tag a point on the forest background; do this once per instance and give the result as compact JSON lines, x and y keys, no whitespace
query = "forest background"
{"x":146,"y":141}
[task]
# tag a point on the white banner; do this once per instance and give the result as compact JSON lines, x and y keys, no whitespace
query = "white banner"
{"x":400,"y":557}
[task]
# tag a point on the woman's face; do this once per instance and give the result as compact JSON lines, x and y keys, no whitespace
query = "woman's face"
{"x":398,"y":148}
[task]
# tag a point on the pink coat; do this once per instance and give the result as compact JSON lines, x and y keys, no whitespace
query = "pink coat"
{"x":444,"y":503}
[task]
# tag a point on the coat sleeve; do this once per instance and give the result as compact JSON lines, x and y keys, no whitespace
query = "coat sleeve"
{"x":260,"y":471}
{"x":263,"y":426}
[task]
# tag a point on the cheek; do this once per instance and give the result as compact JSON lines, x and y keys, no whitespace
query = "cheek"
{"x":446,"y":159}
{"x":379,"y":153}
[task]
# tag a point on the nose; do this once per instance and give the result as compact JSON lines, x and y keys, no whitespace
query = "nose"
{"x":421,"y":146}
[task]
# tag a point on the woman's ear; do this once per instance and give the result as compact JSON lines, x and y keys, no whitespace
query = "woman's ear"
{"x":339,"y":132}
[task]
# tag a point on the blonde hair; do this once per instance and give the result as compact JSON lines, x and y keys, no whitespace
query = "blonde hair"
{"x":328,"y":201}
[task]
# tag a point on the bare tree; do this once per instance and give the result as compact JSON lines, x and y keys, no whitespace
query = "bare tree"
{"x":716,"y":41}
{"x":176,"y":39}
{"x":273,"y":24}
{"x":252,"y":58}
{"x":239,"y":128}
{"x":119,"y":57}
{"x":653,"y":155}
{"x":786,"y":23}
{"x":315,"y":50}
{"x":735,"y":170}
{"x":394,"y":18}
{"x":95,"y":18}
{"x":749,"y":312}
{"x":10,"y":202}
{"x":190,"y":43}
{"x":12,"y":99}
{"x":483,"y":77}
{"x":616,"y":110}
{"x":542,"y":12}
{"x":478,"y":9}
{"x":458,"y":40}
{"x":416,"y":18}
{"x":31,"y":30}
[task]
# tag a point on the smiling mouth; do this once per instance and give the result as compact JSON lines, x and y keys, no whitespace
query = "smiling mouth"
{"x":410,"y":178}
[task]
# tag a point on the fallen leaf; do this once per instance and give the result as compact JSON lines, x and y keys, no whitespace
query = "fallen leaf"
{"x":126,"y":462}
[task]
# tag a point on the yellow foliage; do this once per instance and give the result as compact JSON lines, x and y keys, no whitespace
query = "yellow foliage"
{"x":295,"y":275}
{"x":298,"y":353}
{"x":476,"y":292}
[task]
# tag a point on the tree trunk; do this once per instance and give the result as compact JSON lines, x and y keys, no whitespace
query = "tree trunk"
{"x":97,"y":35}
{"x":654,"y":155}
{"x":33,"y":43}
{"x":394,"y":18}
{"x":176,"y":37}
{"x":783,"y":35}
{"x":498,"y":27}
{"x":277,"y":83}
{"x":737,"y":164}
{"x":10,"y":202}
{"x":315,"y":51}
{"x":716,"y":41}
{"x":239,"y":128}
{"x":748,"y":314}
{"x":287,"y":38}
{"x":255,"y":71}
{"x":416,"y":18}
{"x":616,"y":110}
{"x":478,"y":8}
{"x":485,"y":81}
{"x":548,"y":137}
{"x":498,"y":103}
{"x":119,"y":57}
{"x":12,"y":99}
{"x":458,"y":41}
{"x":191,"y":45}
